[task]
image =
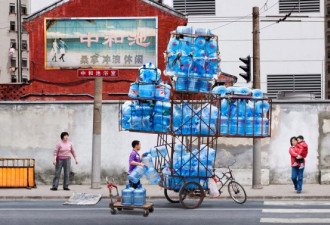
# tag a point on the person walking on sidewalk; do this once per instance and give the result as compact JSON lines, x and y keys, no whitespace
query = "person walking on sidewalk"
{"x":134,"y":160}
{"x":297,"y":173}
{"x":62,"y":158}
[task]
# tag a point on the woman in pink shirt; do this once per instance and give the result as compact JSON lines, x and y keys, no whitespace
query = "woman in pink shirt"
{"x":62,"y":158}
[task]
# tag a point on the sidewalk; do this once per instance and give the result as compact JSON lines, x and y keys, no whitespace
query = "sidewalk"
{"x":271,"y":192}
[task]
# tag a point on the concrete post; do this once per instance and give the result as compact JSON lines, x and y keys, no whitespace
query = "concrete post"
{"x":256,"y":176}
{"x":97,"y":124}
{"x":19,"y":41}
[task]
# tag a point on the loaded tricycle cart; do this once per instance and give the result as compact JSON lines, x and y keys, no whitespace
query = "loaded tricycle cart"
{"x":192,"y":121}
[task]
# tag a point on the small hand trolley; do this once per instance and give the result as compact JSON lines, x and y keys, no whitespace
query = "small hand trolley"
{"x":115,"y":202}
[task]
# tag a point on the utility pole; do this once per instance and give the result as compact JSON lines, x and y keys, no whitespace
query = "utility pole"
{"x":97,"y":124}
{"x":19,"y":41}
{"x":256,"y":176}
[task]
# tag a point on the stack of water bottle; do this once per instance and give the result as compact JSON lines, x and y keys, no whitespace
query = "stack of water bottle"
{"x":234,"y":116}
{"x":149,"y":169}
{"x":192,"y":59}
{"x":243,"y":116}
{"x":149,"y":85}
{"x":131,"y":196}
{"x":196,"y":164}
{"x":146,"y":116}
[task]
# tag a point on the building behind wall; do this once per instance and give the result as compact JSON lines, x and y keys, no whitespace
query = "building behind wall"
{"x":9,"y":39}
{"x":292,"y":52}
{"x":327,"y":47}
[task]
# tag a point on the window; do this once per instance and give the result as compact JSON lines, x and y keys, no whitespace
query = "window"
{"x":328,"y":53}
{"x":13,"y":43}
{"x":12,"y":9}
{"x":12,"y":26}
{"x":13,"y":62}
{"x":329,"y":70}
{"x":24,"y":45}
{"x":328,"y":10}
{"x":299,"y":6}
{"x":328,"y":23}
{"x":23,"y":10}
{"x":13,"y":79}
{"x":306,"y":83}
{"x":24,"y":63}
{"x":23,"y":29}
{"x":195,"y":7}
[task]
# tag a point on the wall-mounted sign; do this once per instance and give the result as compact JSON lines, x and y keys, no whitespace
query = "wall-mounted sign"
{"x":73,"y":43}
{"x":88,"y":73}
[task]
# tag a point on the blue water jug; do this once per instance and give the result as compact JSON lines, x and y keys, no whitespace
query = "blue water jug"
{"x":136,"y":174}
{"x":249,"y":126}
{"x":184,"y":66}
{"x":200,"y":42}
{"x":202,"y":31}
{"x":205,"y":86}
{"x":173,"y":46}
{"x":211,"y":68}
{"x":185,"y":29}
{"x":147,"y":160}
{"x":250,"y":108}
{"x":193,"y":85}
{"x":231,"y":90}
{"x":166,"y":174}
{"x":220,"y":90}
{"x":208,"y":129}
{"x":147,"y":91}
{"x":262,"y":107}
{"x":233,"y":125}
{"x":134,"y":91}
{"x":161,"y":128}
{"x":139,"y":196}
{"x":224,"y":106}
{"x":158,"y":151}
{"x":205,"y":171}
{"x":199,"y":53}
{"x":163,"y":92}
{"x":171,"y":65}
{"x":242,"y":106}
{"x":211,"y":48}
{"x":181,"y":84}
{"x":257,"y":93}
{"x":224,"y":124}
{"x":180,"y":149}
{"x":233,"y":109}
{"x":127,"y":196}
{"x":210,"y":111}
{"x":163,"y":108}
{"x":261,"y":126}
{"x":243,"y":91}
{"x":265,"y":124}
{"x":186,"y":46}
{"x":161,"y":123}
{"x":241,"y":125}
{"x":152,"y":176}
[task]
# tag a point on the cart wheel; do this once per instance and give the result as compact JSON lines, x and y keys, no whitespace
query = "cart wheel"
{"x":191,"y":195}
{"x":237,"y":192}
{"x":146,"y":213}
{"x":171,"y":200}
{"x":151,"y":209}
{"x":120,"y":209}
{"x":113,"y":211}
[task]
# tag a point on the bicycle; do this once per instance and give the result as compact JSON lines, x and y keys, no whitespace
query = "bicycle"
{"x":236,"y":191}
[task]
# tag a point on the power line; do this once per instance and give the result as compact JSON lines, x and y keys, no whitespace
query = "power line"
{"x":275,"y":39}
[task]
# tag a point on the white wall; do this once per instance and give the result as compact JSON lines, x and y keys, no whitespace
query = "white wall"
{"x":235,"y":39}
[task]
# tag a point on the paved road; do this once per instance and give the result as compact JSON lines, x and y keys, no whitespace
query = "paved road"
{"x":211,"y":212}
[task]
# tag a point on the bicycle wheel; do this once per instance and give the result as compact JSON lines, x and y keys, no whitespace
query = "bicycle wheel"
{"x":171,"y":199}
{"x":237,"y":192}
{"x":191,"y":195}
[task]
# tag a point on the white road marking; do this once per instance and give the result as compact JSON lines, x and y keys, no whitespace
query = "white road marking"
{"x":295,"y":220}
{"x":296,"y":210}
{"x":296,"y":202}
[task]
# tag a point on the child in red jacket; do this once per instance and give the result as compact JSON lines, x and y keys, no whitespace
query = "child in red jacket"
{"x":303,"y":150}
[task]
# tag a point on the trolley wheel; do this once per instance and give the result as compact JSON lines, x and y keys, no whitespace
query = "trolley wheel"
{"x":113,"y":211}
{"x":170,"y":199}
{"x":237,"y":192}
{"x":191,"y":195}
{"x":151,"y":209}
{"x":120,"y":209}
{"x":146,"y":213}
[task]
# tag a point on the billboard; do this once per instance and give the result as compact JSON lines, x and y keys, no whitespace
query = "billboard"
{"x":72,"y":43}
